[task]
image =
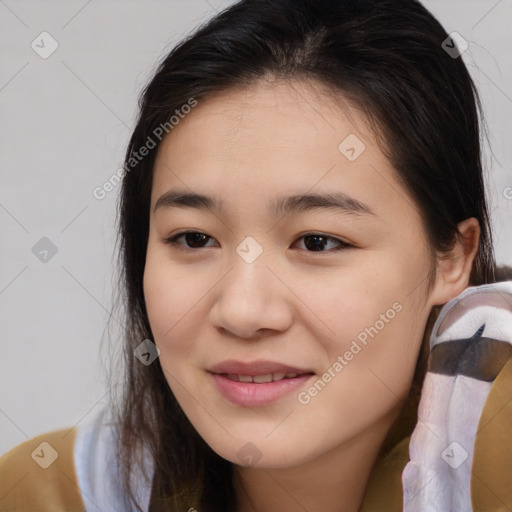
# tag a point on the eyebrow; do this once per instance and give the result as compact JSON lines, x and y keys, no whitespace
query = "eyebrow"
{"x":281,"y":206}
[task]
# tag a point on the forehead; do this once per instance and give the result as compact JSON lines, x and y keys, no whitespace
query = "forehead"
{"x":276,"y":114}
{"x":273,"y":138}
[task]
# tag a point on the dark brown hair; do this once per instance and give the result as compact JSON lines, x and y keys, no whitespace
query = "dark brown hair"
{"x":384,"y":55}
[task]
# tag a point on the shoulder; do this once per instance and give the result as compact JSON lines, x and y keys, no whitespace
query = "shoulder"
{"x":73,"y":469}
{"x":491,"y":482}
{"x":39,"y":474}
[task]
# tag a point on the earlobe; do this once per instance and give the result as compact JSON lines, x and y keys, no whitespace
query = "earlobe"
{"x":454,"y":269}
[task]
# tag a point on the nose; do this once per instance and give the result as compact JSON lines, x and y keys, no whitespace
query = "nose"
{"x":252,"y":300}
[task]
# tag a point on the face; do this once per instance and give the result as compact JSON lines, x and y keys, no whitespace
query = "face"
{"x":251,"y":286}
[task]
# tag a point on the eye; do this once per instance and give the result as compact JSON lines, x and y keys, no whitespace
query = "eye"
{"x":316,"y":242}
{"x":194,"y":240}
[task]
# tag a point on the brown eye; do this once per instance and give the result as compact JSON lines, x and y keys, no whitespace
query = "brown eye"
{"x":316,"y":242}
{"x":193,"y":240}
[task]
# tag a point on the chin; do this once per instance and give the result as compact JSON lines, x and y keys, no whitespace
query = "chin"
{"x":261,"y":454}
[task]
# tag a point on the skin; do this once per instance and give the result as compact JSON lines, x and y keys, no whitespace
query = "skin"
{"x":292,"y":304}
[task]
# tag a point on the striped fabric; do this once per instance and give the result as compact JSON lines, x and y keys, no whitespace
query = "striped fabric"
{"x":471,"y":342}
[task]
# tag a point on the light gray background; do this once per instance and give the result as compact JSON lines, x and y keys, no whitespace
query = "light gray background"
{"x":65,"y":122}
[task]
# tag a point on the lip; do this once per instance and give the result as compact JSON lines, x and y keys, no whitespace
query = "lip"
{"x":259,"y":367}
{"x":252,"y":394}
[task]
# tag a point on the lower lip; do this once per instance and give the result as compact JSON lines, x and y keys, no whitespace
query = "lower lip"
{"x":251,"y":394}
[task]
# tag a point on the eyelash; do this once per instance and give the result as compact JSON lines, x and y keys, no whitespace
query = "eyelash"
{"x":171,"y":240}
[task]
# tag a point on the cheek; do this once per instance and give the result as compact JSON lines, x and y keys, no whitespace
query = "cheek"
{"x":353,"y":303}
{"x":168,"y":299}
{"x":177,"y":305}
{"x":368,"y":379}
{"x":374,"y":320}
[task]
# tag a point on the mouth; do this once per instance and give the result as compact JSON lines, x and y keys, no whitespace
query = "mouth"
{"x":257,"y":383}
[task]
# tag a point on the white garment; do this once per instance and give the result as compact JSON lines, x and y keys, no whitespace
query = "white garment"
{"x":96,"y":468}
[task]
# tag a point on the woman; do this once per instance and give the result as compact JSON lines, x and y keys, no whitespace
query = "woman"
{"x":261,"y":375}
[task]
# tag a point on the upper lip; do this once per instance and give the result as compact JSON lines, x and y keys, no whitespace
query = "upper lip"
{"x":259,"y":367}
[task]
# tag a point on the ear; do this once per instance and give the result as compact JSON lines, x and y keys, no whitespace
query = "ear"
{"x":454,"y":269}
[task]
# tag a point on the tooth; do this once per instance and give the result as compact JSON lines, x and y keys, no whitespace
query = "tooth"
{"x":232,"y":376}
{"x":263,"y":378}
{"x":291,"y":375}
{"x":278,"y":376}
{"x":245,"y":378}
